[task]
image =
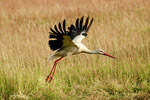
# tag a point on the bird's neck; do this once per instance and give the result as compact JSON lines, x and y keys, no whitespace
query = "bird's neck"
{"x":93,"y":51}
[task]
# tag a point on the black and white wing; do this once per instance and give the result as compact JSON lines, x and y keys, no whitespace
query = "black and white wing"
{"x":78,"y":31}
{"x":60,"y":37}
{"x":57,"y":36}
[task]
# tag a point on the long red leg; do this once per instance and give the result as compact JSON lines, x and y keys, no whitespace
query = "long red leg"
{"x":53,"y":70}
{"x":53,"y":73}
{"x":50,"y":73}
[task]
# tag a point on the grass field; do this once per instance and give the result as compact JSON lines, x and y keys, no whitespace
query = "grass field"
{"x":121,"y":28}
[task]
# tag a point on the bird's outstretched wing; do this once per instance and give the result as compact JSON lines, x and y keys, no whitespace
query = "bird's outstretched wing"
{"x":78,"y":28}
{"x":60,"y":37}
{"x":57,"y":36}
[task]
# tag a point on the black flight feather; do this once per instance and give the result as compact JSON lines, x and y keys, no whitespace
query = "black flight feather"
{"x":81,"y":21}
{"x":77,"y":23}
{"x":56,"y":29}
{"x":89,"y":25}
{"x":53,"y":31}
{"x":64,"y":26}
{"x":60,"y":28}
{"x":86,"y":23}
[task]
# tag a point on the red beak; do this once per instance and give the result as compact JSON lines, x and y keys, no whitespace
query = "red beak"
{"x":108,"y":55}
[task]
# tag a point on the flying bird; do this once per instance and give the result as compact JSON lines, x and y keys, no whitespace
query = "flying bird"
{"x":68,"y":42}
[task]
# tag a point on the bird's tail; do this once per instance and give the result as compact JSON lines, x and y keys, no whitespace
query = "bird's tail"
{"x":51,"y":57}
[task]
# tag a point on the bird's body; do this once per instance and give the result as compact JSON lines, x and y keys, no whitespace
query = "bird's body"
{"x":70,"y":42}
{"x":73,"y":49}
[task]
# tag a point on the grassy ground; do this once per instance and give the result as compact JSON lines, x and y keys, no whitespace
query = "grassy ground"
{"x":121,"y":28}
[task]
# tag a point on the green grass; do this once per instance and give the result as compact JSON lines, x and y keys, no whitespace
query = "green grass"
{"x":121,"y":28}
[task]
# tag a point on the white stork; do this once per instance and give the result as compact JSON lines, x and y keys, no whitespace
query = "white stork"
{"x":68,"y":42}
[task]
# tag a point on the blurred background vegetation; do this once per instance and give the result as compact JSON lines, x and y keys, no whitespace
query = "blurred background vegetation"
{"x":121,"y":28}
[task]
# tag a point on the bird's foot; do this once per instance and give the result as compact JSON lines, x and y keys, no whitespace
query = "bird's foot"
{"x":48,"y":77}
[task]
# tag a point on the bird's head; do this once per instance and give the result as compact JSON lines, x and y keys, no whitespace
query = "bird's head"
{"x":100,"y":51}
